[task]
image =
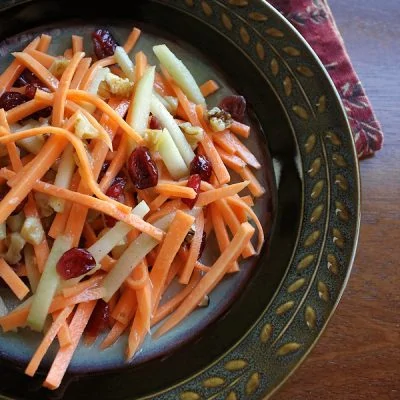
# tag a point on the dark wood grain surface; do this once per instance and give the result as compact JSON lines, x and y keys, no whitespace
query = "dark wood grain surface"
{"x":358,"y":356}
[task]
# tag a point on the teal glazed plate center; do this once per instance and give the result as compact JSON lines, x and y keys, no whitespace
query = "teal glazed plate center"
{"x":263,"y":322}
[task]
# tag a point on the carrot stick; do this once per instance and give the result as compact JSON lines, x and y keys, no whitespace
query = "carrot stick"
{"x":140,"y":67}
{"x":171,"y":305}
{"x":210,"y":196}
{"x":144,"y":294}
{"x":158,"y":202}
{"x":136,"y":335}
{"x":63,"y":335}
{"x":256,"y":189}
{"x":224,"y":141}
{"x":173,"y":272}
{"x":252,"y":215}
{"x":167,"y":208}
{"x":189,"y":108}
{"x":209,"y":87}
{"x":82,"y":286}
{"x":91,"y":202}
{"x":13,"y":151}
{"x":231,"y":161}
{"x":172,"y":190}
{"x":44,"y":44}
{"x":221,"y":234}
{"x":80,"y":72}
{"x":175,"y":236}
{"x":38,"y":69}
{"x":45,"y":59}
{"x":13,"y":281}
{"x":24,"y":110}
{"x":124,"y":309}
{"x":233,"y":223}
{"x":244,"y":153}
{"x":248,"y":200}
{"x":60,"y":97}
{"x":116,"y":331}
{"x":14,"y":70}
{"x":88,"y":77}
{"x":211,"y":278}
{"x":47,"y":340}
{"x":64,"y":355}
{"x":77,"y":44}
{"x":195,"y":245}
{"x":240,"y":129}
{"x":132,"y":39}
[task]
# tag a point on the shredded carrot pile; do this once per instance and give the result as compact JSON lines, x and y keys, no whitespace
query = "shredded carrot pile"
{"x":113,"y":178}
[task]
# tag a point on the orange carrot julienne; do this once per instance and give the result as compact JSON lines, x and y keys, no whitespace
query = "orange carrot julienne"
{"x":171,"y":190}
{"x":158,"y":202}
{"x":144,"y":294}
{"x":91,"y":72}
{"x":125,"y":307}
{"x":210,"y":196}
{"x":63,"y":335}
{"x":80,"y":72}
{"x":77,"y":44}
{"x":224,"y":141}
{"x":14,"y":70}
{"x":232,"y":221}
{"x":193,"y":255}
{"x":189,"y":108}
{"x":231,"y":161}
{"x":140,"y":65}
{"x":60,"y":96}
{"x":210,"y":279}
{"x":240,"y":129}
{"x":13,"y":281}
{"x":248,"y":200}
{"x":116,"y":331}
{"x":47,"y":340}
{"x":64,"y":355}
{"x":136,"y":335}
{"x":221,"y":234}
{"x":244,"y":153}
{"x":68,"y":53}
{"x":169,"y":248}
{"x":132,"y":40}
{"x":256,"y":189}
{"x":13,"y":151}
{"x":171,"y":305}
{"x":81,"y":286}
{"x":44,"y":43}
{"x":23,"y":110}
{"x":45,"y":59}
{"x":38,"y":69}
{"x":209,"y":87}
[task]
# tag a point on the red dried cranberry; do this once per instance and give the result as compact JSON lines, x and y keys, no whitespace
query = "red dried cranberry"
{"x":28,"y":77}
{"x":201,"y":165}
{"x":75,"y":262}
{"x":154,"y":123}
{"x":9,"y":100}
{"x":116,"y":192}
{"x":142,"y":169}
{"x":194,"y":182}
{"x":99,"y":319}
{"x":44,"y":113}
{"x":103,"y":170}
{"x":3,"y":191}
{"x":203,"y":244}
{"x":104,"y":43}
{"x":234,"y":105}
{"x":30,"y":91}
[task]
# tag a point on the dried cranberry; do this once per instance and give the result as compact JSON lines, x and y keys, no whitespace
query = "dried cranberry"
{"x":75,"y":262}
{"x":99,"y":319}
{"x":116,"y":192}
{"x":234,"y":105}
{"x":194,"y":182}
{"x":104,"y":43}
{"x":154,"y":123}
{"x":30,"y":91}
{"x":9,"y":100}
{"x":3,"y":191}
{"x":44,"y":113}
{"x":142,"y":169}
{"x":201,"y":165}
{"x":29,"y":78}
{"x":103,"y":170}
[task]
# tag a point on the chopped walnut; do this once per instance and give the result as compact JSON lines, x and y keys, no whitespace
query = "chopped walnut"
{"x":84,"y":129}
{"x":118,"y":86}
{"x":59,"y":66}
{"x":219,"y":119}
{"x":193,"y":134}
{"x":16,"y":244}
{"x":32,"y":231}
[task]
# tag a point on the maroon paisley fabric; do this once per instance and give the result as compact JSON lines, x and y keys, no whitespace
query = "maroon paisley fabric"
{"x":314,"y":20}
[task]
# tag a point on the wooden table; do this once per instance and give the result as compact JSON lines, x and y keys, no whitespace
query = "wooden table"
{"x":358,"y":356}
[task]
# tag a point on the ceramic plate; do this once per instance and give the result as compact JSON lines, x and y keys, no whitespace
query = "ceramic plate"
{"x":262,"y":322}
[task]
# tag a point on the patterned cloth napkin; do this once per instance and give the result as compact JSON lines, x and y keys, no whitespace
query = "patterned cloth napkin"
{"x":314,"y":20}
